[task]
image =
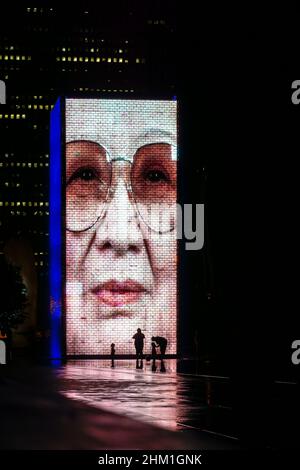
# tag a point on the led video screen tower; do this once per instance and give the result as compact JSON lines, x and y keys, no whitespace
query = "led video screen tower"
{"x":119,"y":223}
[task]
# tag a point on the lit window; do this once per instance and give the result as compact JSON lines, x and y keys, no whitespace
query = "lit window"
{"x":86,"y":59}
{"x":63,"y":59}
{"x":74,"y":59}
{"x":6,"y":57}
{"x":98,"y":59}
{"x":137,"y":61}
{"x":23,"y":57}
{"x":17,"y":57}
{"x":57,"y":59}
{"x":120,"y":59}
{"x":23,"y":116}
{"x":108,"y":59}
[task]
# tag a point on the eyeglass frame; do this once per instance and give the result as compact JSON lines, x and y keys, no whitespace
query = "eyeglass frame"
{"x":128,"y":188}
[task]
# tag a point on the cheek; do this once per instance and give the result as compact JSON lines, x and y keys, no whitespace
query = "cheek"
{"x":76,"y":248}
{"x":163,"y":256}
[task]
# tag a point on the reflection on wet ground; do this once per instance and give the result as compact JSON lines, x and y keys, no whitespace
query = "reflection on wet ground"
{"x":178,"y":402}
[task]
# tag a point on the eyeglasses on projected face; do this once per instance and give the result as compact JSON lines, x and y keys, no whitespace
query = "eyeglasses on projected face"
{"x":93,"y":178}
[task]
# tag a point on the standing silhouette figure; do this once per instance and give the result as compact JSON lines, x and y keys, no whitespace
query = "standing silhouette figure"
{"x":139,"y":346}
{"x":112,"y":354}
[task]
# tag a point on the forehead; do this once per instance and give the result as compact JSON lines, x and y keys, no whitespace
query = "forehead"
{"x":121,"y":126}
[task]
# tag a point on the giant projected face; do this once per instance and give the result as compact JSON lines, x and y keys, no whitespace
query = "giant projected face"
{"x":121,"y":247}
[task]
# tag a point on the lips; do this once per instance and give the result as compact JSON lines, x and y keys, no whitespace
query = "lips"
{"x":117,"y":294}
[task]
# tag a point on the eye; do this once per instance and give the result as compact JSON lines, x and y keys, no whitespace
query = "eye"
{"x":85,"y":174}
{"x":155,"y":176}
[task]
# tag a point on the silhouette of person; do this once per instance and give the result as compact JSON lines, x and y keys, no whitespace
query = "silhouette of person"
{"x":162,"y":343}
{"x":153,"y":355}
{"x":153,"y":350}
{"x":139,"y":346}
{"x":112,"y":354}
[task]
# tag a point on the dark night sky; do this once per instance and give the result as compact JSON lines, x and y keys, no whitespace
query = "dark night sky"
{"x":239,"y":121}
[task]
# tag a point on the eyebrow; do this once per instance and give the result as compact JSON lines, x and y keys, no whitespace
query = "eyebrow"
{"x":156,"y":133}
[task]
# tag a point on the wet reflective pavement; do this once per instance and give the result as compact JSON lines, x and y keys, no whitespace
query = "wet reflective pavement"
{"x":178,"y":402}
{"x":90,"y":405}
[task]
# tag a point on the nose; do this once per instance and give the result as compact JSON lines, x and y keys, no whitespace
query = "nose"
{"x":119,"y":229}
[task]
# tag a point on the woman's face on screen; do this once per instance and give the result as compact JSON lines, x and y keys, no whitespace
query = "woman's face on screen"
{"x":121,"y":248}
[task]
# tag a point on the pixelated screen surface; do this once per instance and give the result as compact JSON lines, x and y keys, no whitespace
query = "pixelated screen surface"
{"x":121,"y":244}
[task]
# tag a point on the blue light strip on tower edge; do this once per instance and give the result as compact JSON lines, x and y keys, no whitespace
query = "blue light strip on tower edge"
{"x":55,"y":233}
